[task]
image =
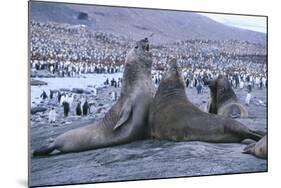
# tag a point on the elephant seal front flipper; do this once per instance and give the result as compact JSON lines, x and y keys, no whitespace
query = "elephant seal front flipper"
{"x":126,"y":112}
{"x":127,"y":119}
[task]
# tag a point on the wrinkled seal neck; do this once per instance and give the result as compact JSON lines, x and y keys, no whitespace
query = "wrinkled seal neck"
{"x":228,"y":95}
{"x":171,"y":86}
{"x":136,"y":71}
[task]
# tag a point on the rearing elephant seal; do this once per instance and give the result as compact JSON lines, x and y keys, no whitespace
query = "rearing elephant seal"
{"x":126,"y":121}
{"x":172,"y":116}
{"x":258,"y":149}
{"x":223,"y":100}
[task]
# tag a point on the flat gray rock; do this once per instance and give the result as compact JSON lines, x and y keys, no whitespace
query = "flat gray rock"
{"x":146,"y":159}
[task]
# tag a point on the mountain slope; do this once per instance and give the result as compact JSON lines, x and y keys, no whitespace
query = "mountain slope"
{"x":167,"y":26}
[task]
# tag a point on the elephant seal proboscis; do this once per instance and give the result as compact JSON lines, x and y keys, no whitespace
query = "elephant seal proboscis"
{"x":173,"y":117}
{"x":126,"y":121}
{"x":223,"y":100}
{"x":258,"y":149}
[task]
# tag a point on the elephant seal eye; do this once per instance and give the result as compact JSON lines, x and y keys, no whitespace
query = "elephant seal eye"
{"x":136,"y":47}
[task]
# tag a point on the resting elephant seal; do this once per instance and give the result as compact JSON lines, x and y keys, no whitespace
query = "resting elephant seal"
{"x":258,"y":149}
{"x":126,"y":121}
{"x":223,"y":100}
{"x":172,"y":116}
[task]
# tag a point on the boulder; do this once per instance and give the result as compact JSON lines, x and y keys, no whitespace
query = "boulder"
{"x":35,"y":110}
{"x":37,"y":83}
{"x":82,"y":16}
{"x":87,"y":92}
{"x":77,"y":90}
{"x":64,"y":89}
{"x":41,"y":74}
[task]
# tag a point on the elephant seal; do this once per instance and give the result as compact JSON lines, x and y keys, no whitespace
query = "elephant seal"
{"x":258,"y":149}
{"x":126,"y":121}
{"x":173,"y":117}
{"x":223,"y":100}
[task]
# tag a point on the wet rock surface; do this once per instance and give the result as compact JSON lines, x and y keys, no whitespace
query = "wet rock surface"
{"x":145,"y":159}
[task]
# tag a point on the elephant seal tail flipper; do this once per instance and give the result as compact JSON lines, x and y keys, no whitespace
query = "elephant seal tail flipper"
{"x":256,"y":135}
{"x":259,"y":149}
{"x":45,"y":150}
{"x":249,"y":149}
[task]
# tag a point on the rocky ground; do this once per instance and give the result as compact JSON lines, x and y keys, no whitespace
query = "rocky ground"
{"x":147,"y":159}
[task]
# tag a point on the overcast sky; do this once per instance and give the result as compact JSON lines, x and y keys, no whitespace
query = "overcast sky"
{"x":245,"y":22}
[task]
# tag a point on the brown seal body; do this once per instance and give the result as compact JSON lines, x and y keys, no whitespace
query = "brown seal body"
{"x":172,"y":116}
{"x":126,"y":121}
{"x":223,"y":100}
{"x":258,"y":149}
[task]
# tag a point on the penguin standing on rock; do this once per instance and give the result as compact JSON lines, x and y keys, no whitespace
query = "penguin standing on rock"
{"x":44,"y":95}
{"x":85,"y":108}
{"x":114,"y":95}
{"x":51,"y":94}
{"x":65,"y":108}
{"x":78,"y":109}
{"x":52,"y":115}
{"x":59,"y":96}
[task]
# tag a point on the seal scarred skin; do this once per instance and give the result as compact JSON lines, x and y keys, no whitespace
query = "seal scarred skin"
{"x":173,"y":117}
{"x":126,"y":121}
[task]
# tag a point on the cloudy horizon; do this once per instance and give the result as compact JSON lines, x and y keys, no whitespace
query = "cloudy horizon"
{"x":254,"y":23}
